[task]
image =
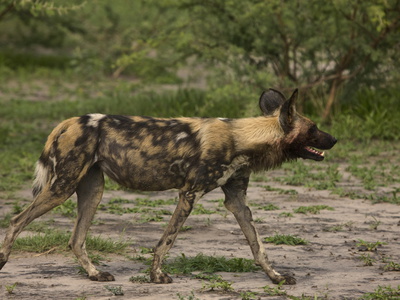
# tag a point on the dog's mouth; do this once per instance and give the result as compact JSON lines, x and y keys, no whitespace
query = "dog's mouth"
{"x":312,"y":153}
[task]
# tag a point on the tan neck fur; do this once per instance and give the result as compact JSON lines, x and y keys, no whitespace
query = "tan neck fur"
{"x":251,"y":133}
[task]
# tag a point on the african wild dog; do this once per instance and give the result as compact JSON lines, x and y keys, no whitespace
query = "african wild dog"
{"x":194,"y":155}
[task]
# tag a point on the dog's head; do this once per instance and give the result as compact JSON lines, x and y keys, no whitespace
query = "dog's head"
{"x":302,"y":138}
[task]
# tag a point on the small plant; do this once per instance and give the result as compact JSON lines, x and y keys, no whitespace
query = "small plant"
{"x":17,"y":208}
{"x":201,"y":210}
{"x":67,"y":209}
{"x":339,"y":227}
{"x":249,"y":295}
{"x":367,"y":259}
{"x":150,"y":218}
{"x":276,"y":290}
{"x":383,"y":293}
{"x":185,"y":228}
{"x":189,"y":297}
{"x":374,"y":224}
{"x":5,"y":222}
{"x":116,"y":290}
{"x":286,"y":214}
{"x":369,"y":246}
{"x":280,"y":191}
{"x":140,"y":279}
{"x":392,"y":266}
{"x":313,"y":209}
{"x":10,"y":288}
{"x":146,"y":250}
{"x":218,"y":284}
{"x":270,"y":206}
{"x":282,"y":239}
{"x":335,"y":228}
{"x":209,"y":264}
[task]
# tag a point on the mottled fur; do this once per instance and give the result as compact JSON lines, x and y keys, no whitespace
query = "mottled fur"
{"x":194,"y":155}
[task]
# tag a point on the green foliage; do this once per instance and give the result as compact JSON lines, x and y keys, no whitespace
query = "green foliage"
{"x":282,"y":239}
{"x":369,"y":246}
{"x":140,"y":279}
{"x":276,"y":290}
{"x":326,"y":45}
{"x":59,"y":240}
{"x":116,"y":290}
{"x":281,"y":191}
{"x":10,"y":288}
{"x":208,"y":264}
{"x":199,"y":209}
{"x":367,"y":259}
{"x":392,"y":266}
{"x":189,"y":297}
{"x":67,"y":209}
{"x":383,"y":293}
{"x":218,"y":284}
{"x":270,"y":206}
{"x":313,"y":209}
{"x":286,"y":214}
{"x":370,"y":114}
{"x":249,"y":295}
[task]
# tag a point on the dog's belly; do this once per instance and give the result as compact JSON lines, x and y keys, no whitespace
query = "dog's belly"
{"x":151,"y":176}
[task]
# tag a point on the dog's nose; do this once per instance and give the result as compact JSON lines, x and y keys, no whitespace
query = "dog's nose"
{"x":334,"y":140}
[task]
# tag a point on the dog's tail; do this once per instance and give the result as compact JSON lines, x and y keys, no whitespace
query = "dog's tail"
{"x":46,"y":165}
{"x":42,"y":176}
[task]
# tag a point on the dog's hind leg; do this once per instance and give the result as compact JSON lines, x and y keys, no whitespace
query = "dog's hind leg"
{"x":235,"y":201}
{"x":89,"y":193}
{"x":44,"y":202}
{"x":181,"y":213}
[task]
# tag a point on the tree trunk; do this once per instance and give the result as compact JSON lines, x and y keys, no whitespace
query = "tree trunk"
{"x":331,"y":99}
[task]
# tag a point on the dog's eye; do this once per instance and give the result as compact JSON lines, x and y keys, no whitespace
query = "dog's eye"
{"x":312,"y":129}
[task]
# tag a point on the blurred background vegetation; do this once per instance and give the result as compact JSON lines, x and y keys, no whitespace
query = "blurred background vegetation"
{"x":195,"y":58}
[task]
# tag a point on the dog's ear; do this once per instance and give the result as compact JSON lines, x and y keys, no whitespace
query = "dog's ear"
{"x":288,"y":112}
{"x":270,"y":101}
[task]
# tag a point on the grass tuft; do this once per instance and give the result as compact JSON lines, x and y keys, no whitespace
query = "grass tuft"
{"x":59,"y":241}
{"x":282,"y":239}
{"x":209,"y":264}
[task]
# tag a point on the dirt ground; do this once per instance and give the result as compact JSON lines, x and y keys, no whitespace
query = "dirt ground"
{"x":329,"y":267}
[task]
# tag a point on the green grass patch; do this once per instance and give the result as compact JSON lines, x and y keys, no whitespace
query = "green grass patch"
{"x":54,"y":239}
{"x":218,"y":284}
{"x":383,"y":293}
{"x":67,"y":209}
{"x":140,"y":279}
{"x":208,"y":264}
{"x":286,"y":214}
{"x":199,"y":209}
{"x":369,"y":246}
{"x":313,"y":209}
{"x":283,"y":239}
{"x":269,"y":206}
{"x":154,"y":203}
{"x":280,"y":191}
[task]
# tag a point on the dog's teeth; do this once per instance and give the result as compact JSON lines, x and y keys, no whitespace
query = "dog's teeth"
{"x":323,"y":153}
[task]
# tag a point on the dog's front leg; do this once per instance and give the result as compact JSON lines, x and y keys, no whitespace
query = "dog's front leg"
{"x":235,"y":201}
{"x":181,"y":213}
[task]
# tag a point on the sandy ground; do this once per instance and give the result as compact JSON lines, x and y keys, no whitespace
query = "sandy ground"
{"x":329,"y":267}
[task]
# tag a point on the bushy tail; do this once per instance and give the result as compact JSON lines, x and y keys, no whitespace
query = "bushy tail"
{"x":42,"y":175}
{"x":45,"y":166}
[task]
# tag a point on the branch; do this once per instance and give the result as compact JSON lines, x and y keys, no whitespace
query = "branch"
{"x":7,"y":10}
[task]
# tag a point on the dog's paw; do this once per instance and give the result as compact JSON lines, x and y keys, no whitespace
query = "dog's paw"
{"x":160,"y":278}
{"x":102,"y":276}
{"x":286,"y":279}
